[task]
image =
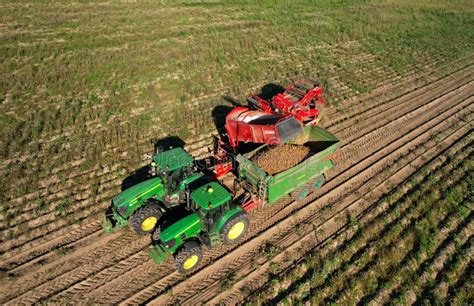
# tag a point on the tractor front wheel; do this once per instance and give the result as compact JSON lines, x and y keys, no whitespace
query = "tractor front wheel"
{"x":145,"y":219}
{"x":188,"y":258}
{"x":234,"y":228}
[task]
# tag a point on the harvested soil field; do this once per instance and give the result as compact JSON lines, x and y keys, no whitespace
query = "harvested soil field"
{"x":281,"y":158}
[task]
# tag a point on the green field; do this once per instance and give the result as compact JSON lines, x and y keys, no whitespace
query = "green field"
{"x":121,"y":73}
{"x":88,"y":87}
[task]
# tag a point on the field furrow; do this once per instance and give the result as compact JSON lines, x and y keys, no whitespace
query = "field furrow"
{"x":437,"y":290}
{"x":461,"y":292}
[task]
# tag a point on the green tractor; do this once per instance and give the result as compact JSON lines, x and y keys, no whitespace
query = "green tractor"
{"x":145,"y":204}
{"x":212,"y":218}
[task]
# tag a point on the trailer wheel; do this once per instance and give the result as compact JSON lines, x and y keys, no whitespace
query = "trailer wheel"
{"x":188,"y":258}
{"x":145,"y":219}
{"x":234,"y":228}
{"x":300,"y":193}
{"x":318,"y":182}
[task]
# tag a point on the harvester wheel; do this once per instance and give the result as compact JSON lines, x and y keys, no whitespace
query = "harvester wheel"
{"x":188,"y":258}
{"x":145,"y":219}
{"x":234,"y":228}
{"x":321,"y":115}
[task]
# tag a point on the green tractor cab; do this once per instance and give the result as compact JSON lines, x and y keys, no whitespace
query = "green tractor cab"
{"x":172,"y":160}
{"x":214,"y":220}
{"x":145,"y":203}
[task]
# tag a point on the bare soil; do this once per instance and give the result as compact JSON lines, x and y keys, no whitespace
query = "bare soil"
{"x":281,"y":158}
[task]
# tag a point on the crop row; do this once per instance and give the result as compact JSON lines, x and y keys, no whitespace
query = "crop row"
{"x":457,"y":269}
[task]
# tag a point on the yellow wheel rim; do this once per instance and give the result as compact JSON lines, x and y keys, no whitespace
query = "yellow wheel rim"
{"x":190,"y":262}
{"x":149,"y":223}
{"x":236,"y":230}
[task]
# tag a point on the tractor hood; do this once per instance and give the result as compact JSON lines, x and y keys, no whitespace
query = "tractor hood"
{"x":135,"y":193}
{"x":177,"y":233}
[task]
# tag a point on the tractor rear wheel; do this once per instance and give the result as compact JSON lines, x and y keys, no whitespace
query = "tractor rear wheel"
{"x":234,"y":228}
{"x":188,"y":258}
{"x":145,"y":219}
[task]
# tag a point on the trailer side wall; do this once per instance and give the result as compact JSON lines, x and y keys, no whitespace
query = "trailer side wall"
{"x":272,"y":188}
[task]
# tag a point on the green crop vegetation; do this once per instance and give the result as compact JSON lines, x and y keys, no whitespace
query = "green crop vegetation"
{"x":228,"y":281}
{"x":269,"y":250}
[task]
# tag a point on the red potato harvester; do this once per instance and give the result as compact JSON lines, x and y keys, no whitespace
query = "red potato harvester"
{"x":279,"y":120}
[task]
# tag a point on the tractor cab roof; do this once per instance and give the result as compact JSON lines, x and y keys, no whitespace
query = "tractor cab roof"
{"x":174,"y":159}
{"x":210,"y":195}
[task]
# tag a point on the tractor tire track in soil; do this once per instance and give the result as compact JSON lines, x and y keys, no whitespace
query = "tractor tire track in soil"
{"x":131,"y":269}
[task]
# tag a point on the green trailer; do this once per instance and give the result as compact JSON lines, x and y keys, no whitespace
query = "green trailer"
{"x":297,"y":181}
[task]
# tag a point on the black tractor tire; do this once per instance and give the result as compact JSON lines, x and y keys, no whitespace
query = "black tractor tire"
{"x":185,"y":255}
{"x":225,"y":230}
{"x":150,"y":210}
